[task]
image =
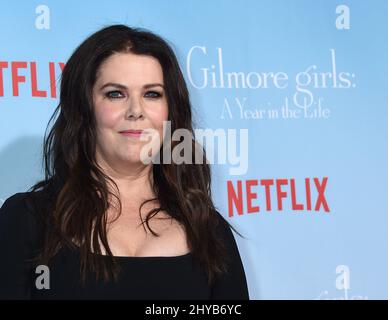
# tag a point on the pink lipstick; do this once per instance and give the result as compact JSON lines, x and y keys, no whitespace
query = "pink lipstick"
{"x":132,"y":133}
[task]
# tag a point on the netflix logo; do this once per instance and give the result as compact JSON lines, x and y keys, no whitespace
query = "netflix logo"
{"x":253,"y":196}
{"x":25,"y":73}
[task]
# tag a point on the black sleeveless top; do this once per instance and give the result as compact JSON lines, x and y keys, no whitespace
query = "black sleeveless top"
{"x":159,"y":277}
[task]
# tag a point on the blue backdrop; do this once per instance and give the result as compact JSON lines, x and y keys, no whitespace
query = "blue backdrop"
{"x":306,"y":78}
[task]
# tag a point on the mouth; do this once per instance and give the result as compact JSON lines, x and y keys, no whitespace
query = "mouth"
{"x":132,"y":133}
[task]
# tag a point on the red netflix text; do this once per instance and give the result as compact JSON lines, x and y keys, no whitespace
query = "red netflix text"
{"x":17,"y":71}
{"x":241,"y":195}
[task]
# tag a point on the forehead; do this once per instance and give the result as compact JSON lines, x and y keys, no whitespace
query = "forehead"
{"x":130,"y":68}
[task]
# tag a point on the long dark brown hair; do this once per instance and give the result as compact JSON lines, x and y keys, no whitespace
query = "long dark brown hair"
{"x":74,"y":213}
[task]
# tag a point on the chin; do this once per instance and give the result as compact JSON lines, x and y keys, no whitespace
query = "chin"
{"x":131,"y":159}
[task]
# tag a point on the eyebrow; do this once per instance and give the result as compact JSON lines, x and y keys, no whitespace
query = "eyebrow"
{"x":121,"y":86}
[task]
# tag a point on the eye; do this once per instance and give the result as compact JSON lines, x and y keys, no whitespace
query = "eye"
{"x":113,"y":95}
{"x":154,"y":94}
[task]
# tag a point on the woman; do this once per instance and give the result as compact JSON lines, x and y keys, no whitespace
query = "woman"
{"x":104,"y":223}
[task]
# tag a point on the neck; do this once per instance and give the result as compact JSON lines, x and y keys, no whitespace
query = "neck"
{"x":134,"y":183}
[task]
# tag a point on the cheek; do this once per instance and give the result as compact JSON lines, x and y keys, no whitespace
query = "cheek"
{"x":106,"y":117}
{"x":157,"y":117}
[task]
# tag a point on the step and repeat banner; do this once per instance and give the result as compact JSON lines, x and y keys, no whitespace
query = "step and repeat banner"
{"x":299,"y":86}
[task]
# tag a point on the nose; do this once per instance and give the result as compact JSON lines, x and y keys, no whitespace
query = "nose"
{"x":134,"y":110}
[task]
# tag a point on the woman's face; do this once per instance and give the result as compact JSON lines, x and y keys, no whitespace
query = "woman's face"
{"x":128,"y":95}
